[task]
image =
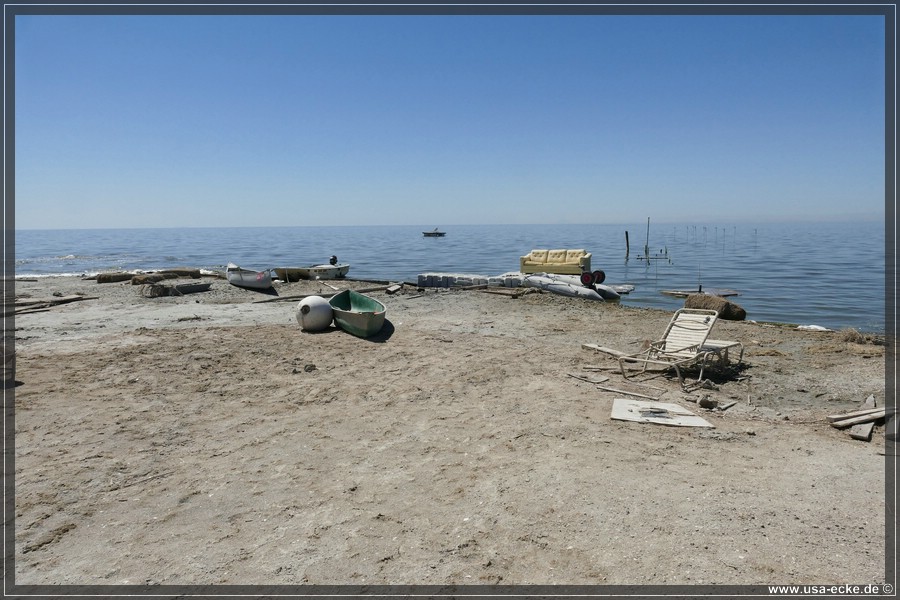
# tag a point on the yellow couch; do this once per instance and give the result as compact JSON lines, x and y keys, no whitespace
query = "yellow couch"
{"x":568,"y":262}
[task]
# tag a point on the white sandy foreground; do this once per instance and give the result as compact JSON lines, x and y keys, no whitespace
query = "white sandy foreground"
{"x":206,"y":439}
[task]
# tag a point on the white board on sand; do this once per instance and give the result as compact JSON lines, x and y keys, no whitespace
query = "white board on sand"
{"x":661,"y":413}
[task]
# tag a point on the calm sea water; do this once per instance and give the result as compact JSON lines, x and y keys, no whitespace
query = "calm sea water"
{"x":826,"y":274}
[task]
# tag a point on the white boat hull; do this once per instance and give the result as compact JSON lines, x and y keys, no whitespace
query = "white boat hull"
{"x":325,"y":271}
{"x":245,"y":278}
{"x":328,"y":271}
{"x":711,"y":291}
{"x":561,"y":287}
{"x":607,"y":292}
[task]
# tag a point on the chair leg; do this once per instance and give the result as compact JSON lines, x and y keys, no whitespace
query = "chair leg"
{"x":703,"y":366}
{"x":723,"y":358}
{"x":699,"y":382}
{"x":622,"y":362}
{"x":622,"y":368}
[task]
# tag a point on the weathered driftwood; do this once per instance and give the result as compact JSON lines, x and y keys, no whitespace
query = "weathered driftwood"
{"x":113,"y":277}
{"x":863,"y":431}
{"x":510,"y":292}
{"x":26,"y":310}
{"x":855,"y":413}
{"x":872,"y":416}
{"x":157,"y":276}
{"x":610,"y":351}
{"x":155,"y":290}
{"x":618,"y":391}
{"x":152,"y":278}
{"x":53,"y":301}
{"x":602,"y":379}
{"x":37,"y":304}
{"x":183,"y":272}
{"x":302,"y":296}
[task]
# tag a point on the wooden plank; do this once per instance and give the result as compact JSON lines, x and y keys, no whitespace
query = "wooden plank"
{"x":610,"y":351}
{"x":323,"y":295}
{"x":148,"y":278}
{"x":855,"y":413}
{"x":860,"y":419}
{"x":502,"y":291}
{"x":54,"y":300}
{"x":863,"y":431}
{"x":659,"y":413}
{"x":618,"y":391}
{"x":113,"y":277}
{"x":602,"y":378}
{"x":47,"y":302}
{"x":26,"y":311}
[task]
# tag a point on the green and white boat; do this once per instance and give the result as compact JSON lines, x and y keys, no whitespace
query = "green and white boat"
{"x":357,"y":313}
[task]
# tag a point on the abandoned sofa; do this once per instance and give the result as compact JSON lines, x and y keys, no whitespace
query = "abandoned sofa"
{"x":568,"y":262}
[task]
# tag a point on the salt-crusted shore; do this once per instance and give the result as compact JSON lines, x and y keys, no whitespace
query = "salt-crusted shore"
{"x":206,"y":439}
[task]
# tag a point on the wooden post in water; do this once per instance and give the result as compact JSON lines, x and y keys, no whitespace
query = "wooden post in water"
{"x":627,"y":247}
{"x":647,"y":244}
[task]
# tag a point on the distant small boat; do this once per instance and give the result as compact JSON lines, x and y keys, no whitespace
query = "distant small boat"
{"x":434,"y":233}
{"x":258,"y":280}
{"x":357,"y":313}
{"x":700,"y":290}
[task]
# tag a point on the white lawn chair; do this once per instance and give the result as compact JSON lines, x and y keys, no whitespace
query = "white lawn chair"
{"x":682,"y":344}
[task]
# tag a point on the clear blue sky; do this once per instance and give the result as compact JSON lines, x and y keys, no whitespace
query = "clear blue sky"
{"x":155,"y":121}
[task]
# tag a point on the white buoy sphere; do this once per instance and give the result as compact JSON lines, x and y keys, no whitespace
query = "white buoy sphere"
{"x":314,"y":313}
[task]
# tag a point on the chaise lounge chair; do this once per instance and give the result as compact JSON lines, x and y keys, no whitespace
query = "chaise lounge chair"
{"x":684,"y":343}
{"x":721,"y":347}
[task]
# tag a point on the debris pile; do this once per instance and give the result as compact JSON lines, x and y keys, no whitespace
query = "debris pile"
{"x":860,"y":422}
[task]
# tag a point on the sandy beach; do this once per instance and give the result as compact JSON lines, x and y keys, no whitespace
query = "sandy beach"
{"x":207,"y":439}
